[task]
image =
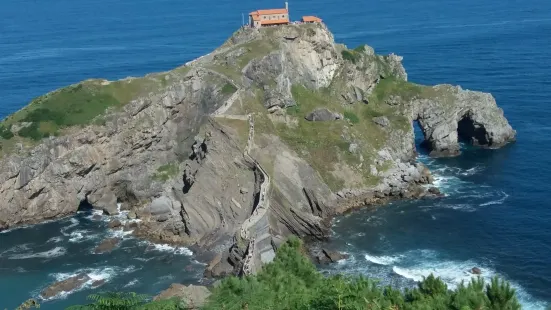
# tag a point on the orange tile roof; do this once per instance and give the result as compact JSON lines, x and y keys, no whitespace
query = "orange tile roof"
{"x":269,"y":12}
{"x":311,"y":19}
{"x":255,"y":17}
{"x":275,"y":21}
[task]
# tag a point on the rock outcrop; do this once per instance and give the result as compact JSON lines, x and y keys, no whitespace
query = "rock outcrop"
{"x":192,"y":296}
{"x":456,"y":114}
{"x":66,"y":285}
{"x":226,"y":153}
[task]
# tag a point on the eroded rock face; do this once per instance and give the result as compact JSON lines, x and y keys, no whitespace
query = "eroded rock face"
{"x":458,"y":113}
{"x":66,"y":285}
{"x":117,"y":161}
{"x":195,"y":180}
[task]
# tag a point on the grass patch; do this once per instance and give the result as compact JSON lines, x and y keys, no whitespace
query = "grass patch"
{"x":229,"y":89}
{"x":82,"y":104}
{"x":352,"y":117}
{"x":166,"y":172}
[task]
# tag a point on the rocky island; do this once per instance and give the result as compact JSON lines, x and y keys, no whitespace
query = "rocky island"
{"x":269,"y":135}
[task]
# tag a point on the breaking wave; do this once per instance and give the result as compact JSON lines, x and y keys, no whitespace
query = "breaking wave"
{"x":55,"y":252}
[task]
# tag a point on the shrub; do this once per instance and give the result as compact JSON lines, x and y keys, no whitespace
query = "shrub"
{"x":352,"y":117}
{"x":350,"y":56}
{"x":5,"y":133}
{"x":228,"y":88}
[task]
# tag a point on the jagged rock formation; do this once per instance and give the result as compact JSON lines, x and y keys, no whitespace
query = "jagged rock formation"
{"x":219,"y":153}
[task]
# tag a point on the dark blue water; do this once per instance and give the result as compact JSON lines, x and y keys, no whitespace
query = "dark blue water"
{"x":497,"y":213}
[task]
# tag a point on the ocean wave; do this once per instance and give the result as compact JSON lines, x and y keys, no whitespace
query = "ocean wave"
{"x":422,"y":263}
{"x":172,"y":249}
{"x":55,"y":252}
{"x":382,"y":260}
{"x":55,"y":239}
{"x":132,"y":283}
{"x":74,"y":222}
{"x":497,"y":201}
{"x":95,"y":274}
{"x":82,"y":235}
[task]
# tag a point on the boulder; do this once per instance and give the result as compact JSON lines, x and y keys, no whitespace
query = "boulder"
{"x":107,"y":245}
{"x":66,"y":285}
{"x":105,"y":200}
{"x":321,"y":115}
{"x":328,"y":256}
{"x":132,"y":215}
{"x":476,"y":270}
{"x":98,"y":283}
{"x":434,"y":191}
{"x":218,"y":267}
{"x":96,"y":217}
{"x":114,"y":224}
{"x":193,"y":296}
{"x":160,"y":206}
{"x":131,"y":226}
{"x":381,"y":121}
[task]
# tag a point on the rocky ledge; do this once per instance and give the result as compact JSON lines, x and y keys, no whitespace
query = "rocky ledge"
{"x":271,"y":134}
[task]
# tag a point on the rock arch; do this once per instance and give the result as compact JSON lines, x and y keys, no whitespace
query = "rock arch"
{"x":460,"y":115}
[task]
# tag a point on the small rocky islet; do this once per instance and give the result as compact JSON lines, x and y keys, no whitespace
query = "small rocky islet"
{"x":270,"y":135}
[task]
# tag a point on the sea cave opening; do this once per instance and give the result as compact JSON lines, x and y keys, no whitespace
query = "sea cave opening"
{"x":422,"y":147}
{"x":85,"y":206}
{"x":470,"y":132}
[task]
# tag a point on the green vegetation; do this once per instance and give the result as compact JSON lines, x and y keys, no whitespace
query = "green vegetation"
{"x":81,"y":104}
{"x":321,"y":143}
{"x":291,"y":282}
{"x":360,"y":49}
{"x":350,"y":55}
{"x":5,"y":133}
{"x":229,"y":89}
{"x":352,"y":117}
{"x":127,"y":301}
{"x":165,"y":172}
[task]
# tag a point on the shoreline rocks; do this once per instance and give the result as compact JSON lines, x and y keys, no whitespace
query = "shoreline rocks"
{"x":193,"y":296}
{"x":107,"y":245}
{"x":66,"y":285}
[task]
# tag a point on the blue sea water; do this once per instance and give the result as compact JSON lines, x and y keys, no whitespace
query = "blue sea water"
{"x":497,"y":211}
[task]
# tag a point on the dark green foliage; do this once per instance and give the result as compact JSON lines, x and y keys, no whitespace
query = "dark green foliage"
{"x":350,"y":56}
{"x":360,"y":49}
{"x":5,"y":133}
{"x":292,"y":282}
{"x":228,"y":88}
{"x":32,"y":131}
{"x":127,"y":301}
{"x":352,"y":117}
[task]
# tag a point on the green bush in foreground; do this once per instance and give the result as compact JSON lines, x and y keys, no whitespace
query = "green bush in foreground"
{"x":291,"y":282}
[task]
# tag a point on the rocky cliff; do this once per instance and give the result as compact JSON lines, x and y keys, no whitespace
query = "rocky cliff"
{"x":271,"y":134}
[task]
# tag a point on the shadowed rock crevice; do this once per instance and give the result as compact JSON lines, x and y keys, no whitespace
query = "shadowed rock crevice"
{"x":471,"y":132}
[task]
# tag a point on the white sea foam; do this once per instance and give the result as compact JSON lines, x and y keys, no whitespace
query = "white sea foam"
{"x":95,"y":274}
{"x":74,"y":222}
{"x":55,"y":239}
{"x":132,"y":283}
{"x":55,"y":252}
{"x":382,"y":260}
{"x":499,"y":201}
{"x":419,"y":264}
{"x":172,"y":249}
